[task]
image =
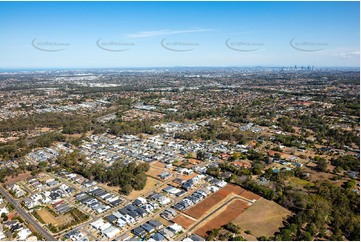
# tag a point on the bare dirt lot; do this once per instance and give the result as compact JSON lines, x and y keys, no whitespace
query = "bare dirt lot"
{"x":249,"y":195}
{"x":229,"y":188}
{"x":49,"y":218}
{"x":154,"y":172}
{"x":206,"y":205}
{"x":232,"y":210}
{"x":187,"y":177}
{"x":158,"y":165}
{"x":239,"y":191}
{"x":203,"y":207}
{"x":183,"y":221}
{"x":263,"y":218}
{"x":151,"y":184}
{"x":20,"y":177}
{"x":42,"y":177}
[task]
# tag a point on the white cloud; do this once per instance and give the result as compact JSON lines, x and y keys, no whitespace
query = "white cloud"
{"x":163,"y":32}
{"x":348,"y":55}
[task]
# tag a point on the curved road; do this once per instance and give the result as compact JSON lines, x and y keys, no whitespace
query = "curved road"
{"x":26,"y":216}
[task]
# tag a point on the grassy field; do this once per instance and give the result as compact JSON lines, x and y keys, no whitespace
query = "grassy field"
{"x":263,"y":218}
{"x":300,"y":182}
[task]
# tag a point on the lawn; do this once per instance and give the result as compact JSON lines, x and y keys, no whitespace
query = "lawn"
{"x":300,"y":182}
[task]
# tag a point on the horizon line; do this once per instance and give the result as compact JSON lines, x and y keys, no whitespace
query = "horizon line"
{"x":164,"y":67}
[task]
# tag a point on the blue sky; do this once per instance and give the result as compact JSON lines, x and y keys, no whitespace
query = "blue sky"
{"x":149,"y":34}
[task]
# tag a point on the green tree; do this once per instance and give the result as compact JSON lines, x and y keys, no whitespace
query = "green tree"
{"x":126,"y":189}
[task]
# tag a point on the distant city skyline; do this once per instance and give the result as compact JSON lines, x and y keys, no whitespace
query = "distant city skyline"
{"x":167,"y":34}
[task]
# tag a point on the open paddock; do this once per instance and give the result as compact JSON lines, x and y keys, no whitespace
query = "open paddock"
{"x":263,"y":218}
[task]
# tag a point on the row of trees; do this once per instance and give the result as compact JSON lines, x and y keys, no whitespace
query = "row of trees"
{"x":119,"y":127}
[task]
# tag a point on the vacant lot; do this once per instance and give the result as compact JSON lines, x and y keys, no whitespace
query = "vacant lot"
{"x":233,"y":210}
{"x":183,"y":221}
{"x":239,"y":191}
{"x":49,"y":218}
{"x":158,"y":165}
{"x":43,"y":177}
{"x":187,"y":177}
{"x":20,"y":177}
{"x":151,"y":184}
{"x":229,"y":188}
{"x":203,"y":207}
{"x":154,"y":172}
{"x":263,"y":218}
{"x":206,"y":205}
{"x":249,"y":195}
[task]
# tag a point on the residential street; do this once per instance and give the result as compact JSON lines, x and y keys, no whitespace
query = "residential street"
{"x":26,"y":216}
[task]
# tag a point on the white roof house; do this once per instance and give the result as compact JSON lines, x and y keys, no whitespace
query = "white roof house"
{"x":105,"y":226}
{"x":97,"y":224}
{"x":164,"y":200}
{"x":121,"y":223}
{"x":111,"y":232}
{"x":175,"y":227}
{"x":4,"y":209}
{"x":23,"y":234}
{"x":142,"y":200}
